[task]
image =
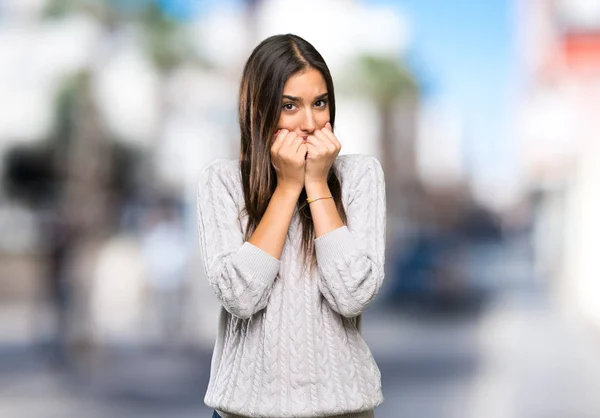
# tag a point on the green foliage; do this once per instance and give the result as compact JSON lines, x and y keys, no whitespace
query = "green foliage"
{"x":58,"y":8}
{"x":162,"y":38}
{"x":381,"y":78}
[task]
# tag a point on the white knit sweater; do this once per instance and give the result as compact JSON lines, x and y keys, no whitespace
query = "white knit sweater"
{"x":289,"y":342}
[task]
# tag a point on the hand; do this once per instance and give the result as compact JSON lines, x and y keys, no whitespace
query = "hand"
{"x":323,"y":147}
{"x":288,"y":154}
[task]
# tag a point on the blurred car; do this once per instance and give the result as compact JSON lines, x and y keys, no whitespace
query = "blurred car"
{"x":445,"y":269}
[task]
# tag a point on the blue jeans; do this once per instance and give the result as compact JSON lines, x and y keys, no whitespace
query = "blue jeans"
{"x":215,"y":415}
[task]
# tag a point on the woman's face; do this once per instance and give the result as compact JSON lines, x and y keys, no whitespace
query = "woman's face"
{"x":305,"y":105}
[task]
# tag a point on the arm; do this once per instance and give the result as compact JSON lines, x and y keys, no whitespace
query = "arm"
{"x":272,"y":229}
{"x":350,"y":258}
{"x":240,"y":273}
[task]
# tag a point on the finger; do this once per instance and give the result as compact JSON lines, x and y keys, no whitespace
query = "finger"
{"x":312,"y":151}
{"x":300,"y":144}
{"x":314,"y":140}
{"x":290,"y":148}
{"x":302,"y":152}
{"x":289,"y":141}
{"x":294,"y":146}
{"x":330,"y":135}
{"x":285,"y":147}
{"x":328,"y":144}
{"x":279,"y":135}
{"x":279,"y":141}
{"x":319,"y":143}
{"x":322,"y":137}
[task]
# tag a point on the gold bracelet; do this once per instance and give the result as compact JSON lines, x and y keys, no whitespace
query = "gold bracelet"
{"x":319,"y":198}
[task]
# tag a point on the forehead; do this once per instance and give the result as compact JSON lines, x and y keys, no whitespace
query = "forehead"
{"x":308,"y":82}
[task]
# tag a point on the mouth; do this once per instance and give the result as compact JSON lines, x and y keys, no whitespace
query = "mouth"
{"x":304,"y":138}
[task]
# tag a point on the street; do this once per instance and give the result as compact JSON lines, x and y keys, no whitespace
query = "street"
{"x":518,"y":358}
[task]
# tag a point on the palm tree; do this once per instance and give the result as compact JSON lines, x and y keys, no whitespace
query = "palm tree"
{"x":163,"y":42}
{"x":87,"y":161}
{"x":394,"y":92}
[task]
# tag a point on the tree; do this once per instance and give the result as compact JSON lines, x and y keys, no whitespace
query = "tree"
{"x":393,"y":90}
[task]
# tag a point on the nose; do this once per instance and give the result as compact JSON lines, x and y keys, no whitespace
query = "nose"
{"x":308,"y":122}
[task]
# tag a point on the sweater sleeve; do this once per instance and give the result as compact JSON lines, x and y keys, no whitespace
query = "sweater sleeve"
{"x":351,"y":258}
{"x":240,"y":274}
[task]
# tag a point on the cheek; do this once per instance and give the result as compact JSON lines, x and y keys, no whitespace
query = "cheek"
{"x":287,"y":122}
{"x":321,"y":120}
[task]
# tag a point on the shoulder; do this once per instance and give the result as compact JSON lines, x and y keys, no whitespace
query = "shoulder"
{"x":220,"y":171}
{"x":221,"y":168}
{"x":352,"y":166}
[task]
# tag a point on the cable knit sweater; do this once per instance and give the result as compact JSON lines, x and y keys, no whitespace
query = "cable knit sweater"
{"x":289,"y":342}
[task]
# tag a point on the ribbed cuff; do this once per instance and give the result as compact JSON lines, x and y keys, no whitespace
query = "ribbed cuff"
{"x":364,"y":414}
{"x":334,"y":245}
{"x":257,"y":262}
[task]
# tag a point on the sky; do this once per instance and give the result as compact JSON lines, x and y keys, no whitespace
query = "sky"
{"x":463,"y":48}
{"x":464,"y":51}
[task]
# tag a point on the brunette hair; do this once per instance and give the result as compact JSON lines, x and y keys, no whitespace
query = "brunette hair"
{"x":269,"y":66}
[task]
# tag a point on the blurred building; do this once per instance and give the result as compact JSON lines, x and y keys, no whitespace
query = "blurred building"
{"x":559,"y":124}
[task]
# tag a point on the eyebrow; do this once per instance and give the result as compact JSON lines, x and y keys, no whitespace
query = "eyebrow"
{"x":298,"y":99}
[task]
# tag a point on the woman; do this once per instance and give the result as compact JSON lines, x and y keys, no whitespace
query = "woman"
{"x":292,"y":238}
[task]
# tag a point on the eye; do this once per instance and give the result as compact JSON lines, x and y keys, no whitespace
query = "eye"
{"x":321,"y":103}
{"x":289,"y":106}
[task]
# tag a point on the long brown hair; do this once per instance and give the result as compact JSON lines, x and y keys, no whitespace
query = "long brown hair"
{"x":272,"y":62}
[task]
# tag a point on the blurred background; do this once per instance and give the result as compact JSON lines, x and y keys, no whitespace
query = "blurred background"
{"x":485,"y":116}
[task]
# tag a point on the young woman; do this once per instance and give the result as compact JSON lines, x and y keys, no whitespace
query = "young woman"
{"x":292,"y":238}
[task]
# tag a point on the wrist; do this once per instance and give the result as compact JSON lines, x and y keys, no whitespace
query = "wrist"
{"x":317,"y":189}
{"x":288,"y":191}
